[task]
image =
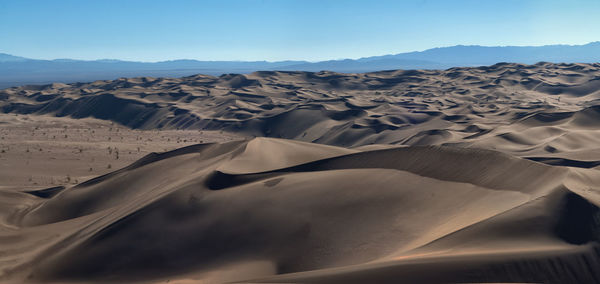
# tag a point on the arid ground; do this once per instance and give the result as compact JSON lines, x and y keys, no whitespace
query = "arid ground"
{"x":482,"y":174}
{"x":46,"y":151}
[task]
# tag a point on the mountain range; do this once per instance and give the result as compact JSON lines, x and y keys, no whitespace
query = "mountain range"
{"x":16,"y":70}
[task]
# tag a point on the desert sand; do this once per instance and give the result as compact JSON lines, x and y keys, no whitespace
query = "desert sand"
{"x":483,"y":174}
{"x":49,"y":151}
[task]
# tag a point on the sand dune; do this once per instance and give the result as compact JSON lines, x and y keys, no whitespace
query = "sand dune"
{"x":521,"y":109}
{"x":342,"y":215}
{"x":486,"y":174}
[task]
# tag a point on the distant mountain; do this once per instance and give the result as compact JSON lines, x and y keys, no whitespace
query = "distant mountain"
{"x":475,"y":55}
{"x":15,"y":70}
{"x":11,"y":58}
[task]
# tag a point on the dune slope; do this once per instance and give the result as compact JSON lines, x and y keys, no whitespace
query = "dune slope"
{"x":310,"y":213}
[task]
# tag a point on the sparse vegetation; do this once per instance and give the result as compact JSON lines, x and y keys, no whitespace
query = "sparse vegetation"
{"x":77,"y":147}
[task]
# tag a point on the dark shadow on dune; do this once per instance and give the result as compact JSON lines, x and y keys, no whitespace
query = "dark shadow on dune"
{"x":565,"y":162}
{"x":579,"y":222}
{"x":46,"y":192}
{"x":219,"y":180}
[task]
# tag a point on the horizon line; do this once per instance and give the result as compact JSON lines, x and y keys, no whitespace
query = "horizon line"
{"x":297,"y":60}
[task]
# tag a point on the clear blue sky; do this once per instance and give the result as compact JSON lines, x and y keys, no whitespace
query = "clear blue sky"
{"x":278,"y":29}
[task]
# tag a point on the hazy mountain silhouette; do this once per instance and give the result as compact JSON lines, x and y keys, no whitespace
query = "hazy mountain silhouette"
{"x":11,"y":58}
{"x":15,"y":70}
{"x":462,"y":55}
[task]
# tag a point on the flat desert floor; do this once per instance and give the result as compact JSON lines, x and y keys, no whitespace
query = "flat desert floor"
{"x":467,"y":175}
{"x":45,"y":151}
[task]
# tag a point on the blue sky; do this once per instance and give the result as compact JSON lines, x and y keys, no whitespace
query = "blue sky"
{"x":279,"y":29}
